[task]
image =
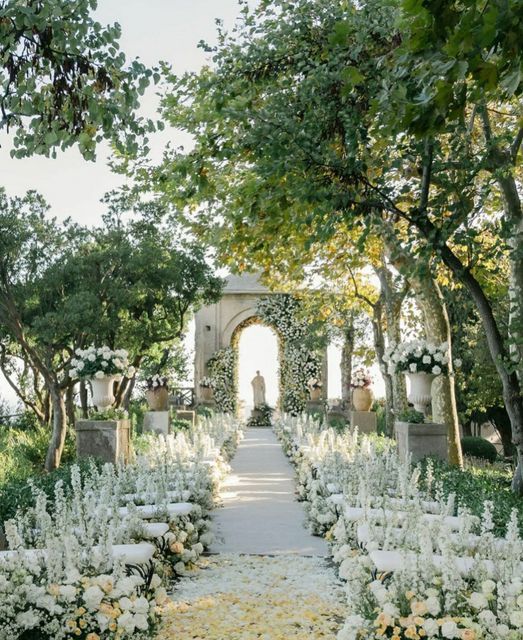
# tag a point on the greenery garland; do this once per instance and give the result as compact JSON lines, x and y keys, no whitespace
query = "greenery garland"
{"x":222,"y":368}
{"x":299,"y":363}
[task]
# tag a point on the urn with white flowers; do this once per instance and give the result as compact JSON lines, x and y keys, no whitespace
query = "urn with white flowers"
{"x":157,"y":392}
{"x":101,"y":367}
{"x":361,"y":391}
{"x":421,"y":361}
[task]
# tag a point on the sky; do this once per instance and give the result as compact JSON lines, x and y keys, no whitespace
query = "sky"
{"x":152,"y":30}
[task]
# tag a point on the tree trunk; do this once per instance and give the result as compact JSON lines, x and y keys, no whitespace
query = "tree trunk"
{"x":509,"y":379}
{"x":437,"y":330}
{"x":393,"y":295}
{"x":346,"y":367}
{"x":379,"y":347}
{"x":70,"y":408}
{"x":84,"y":400}
{"x":56,"y":445}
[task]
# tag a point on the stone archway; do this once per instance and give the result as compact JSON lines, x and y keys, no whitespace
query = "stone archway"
{"x":217,"y":325}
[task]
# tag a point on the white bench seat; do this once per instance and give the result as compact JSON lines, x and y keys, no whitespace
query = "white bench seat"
{"x":152,"y":530}
{"x":150,"y":511}
{"x":355,"y":514}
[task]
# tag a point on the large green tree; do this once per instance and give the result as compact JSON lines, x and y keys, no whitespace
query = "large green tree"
{"x":63,"y":287}
{"x":404,"y":117}
{"x":64,"y":80}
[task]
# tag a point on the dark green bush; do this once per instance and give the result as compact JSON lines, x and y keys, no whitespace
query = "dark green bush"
{"x":17,"y":493}
{"x":412,"y":416}
{"x":479,"y":448}
{"x":473,"y":487}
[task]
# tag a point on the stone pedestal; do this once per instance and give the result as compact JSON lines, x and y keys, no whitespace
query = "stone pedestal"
{"x":104,"y":439}
{"x":188,"y":416}
{"x":365,"y":421}
{"x":157,"y":421}
{"x":315,"y":406}
{"x":420,"y":440}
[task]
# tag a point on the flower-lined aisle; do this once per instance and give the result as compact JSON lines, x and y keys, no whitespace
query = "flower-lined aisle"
{"x":242,"y":597}
{"x":95,"y":562}
{"x":415,"y":565}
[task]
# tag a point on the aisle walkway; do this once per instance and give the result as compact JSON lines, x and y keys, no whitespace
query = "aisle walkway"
{"x":268,"y":578}
{"x":260,"y":514}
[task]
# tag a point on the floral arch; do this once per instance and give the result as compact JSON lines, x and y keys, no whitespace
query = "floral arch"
{"x":218,"y":328}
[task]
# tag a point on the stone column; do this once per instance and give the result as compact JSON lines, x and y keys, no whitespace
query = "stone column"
{"x":105,"y":439}
{"x":157,"y":421}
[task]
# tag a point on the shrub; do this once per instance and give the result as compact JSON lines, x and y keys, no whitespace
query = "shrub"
{"x":411,"y":415}
{"x":479,"y":448}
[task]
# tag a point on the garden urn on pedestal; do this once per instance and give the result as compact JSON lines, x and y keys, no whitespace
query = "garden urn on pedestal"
{"x":158,"y":399}
{"x":103,"y":391}
{"x":315,"y":394}
{"x":420,"y":394}
{"x":362,"y":398}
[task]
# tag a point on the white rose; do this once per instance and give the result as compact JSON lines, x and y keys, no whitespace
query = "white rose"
{"x":438,"y":357}
{"x":436,"y":370}
{"x":427,"y":360}
{"x":131,"y":371}
{"x":516,"y":618}
{"x":502,"y":630}
{"x":125,"y":604}
{"x":458,"y":362}
{"x":91,"y":357}
{"x":141,"y":622}
{"x":433,"y":605}
{"x":99,"y":375}
{"x":488,"y":586}
{"x":68,"y":592}
{"x":126,"y":621}
{"x":478,"y":600}
{"x":104,"y":363}
{"x":92,"y":597}
{"x":413,"y":367}
{"x":73,"y":373}
{"x":431,"y":627}
{"x":80,"y":366}
{"x":141,"y":605}
{"x":449,"y":629}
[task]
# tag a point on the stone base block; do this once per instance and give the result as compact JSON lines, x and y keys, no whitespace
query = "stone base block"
{"x":188,"y":416}
{"x":157,"y":421}
{"x":420,"y":440}
{"x":105,"y":439}
{"x":315,"y":406}
{"x":365,"y":421}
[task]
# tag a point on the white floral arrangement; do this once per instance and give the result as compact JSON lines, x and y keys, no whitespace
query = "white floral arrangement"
{"x":157,"y":381}
{"x":418,"y":356}
{"x":298,"y":364}
{"x":222,"y":366}
{"x":59,"y":581}
{"x":429,"y":594}
{"x":361,"y":379}
{"x":100,"y":362}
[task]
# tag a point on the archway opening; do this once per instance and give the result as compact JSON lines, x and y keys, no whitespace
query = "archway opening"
{"x":257,"y":347}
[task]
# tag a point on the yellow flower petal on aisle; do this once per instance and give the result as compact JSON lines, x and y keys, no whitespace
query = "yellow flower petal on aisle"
{"x":256,"y":598}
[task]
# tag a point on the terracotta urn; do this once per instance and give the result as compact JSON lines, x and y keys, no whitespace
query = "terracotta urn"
{"x":158,"y":399}
{"x":362,"y":398}
{"x":315,"y":394}
{"x":206,"y":394}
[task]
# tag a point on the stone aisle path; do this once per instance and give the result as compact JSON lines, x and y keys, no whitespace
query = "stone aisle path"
{"x":267,"y":577}
{"x":260,"y":513}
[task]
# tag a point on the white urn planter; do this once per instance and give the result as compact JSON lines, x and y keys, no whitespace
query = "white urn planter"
{"x":420,"y":393}
{"x":103,"y":391}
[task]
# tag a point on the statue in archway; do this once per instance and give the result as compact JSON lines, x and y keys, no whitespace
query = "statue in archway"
{"x":258,"y":389}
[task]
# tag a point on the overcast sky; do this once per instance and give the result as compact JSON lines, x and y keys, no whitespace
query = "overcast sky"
{"x":153,"y":30}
